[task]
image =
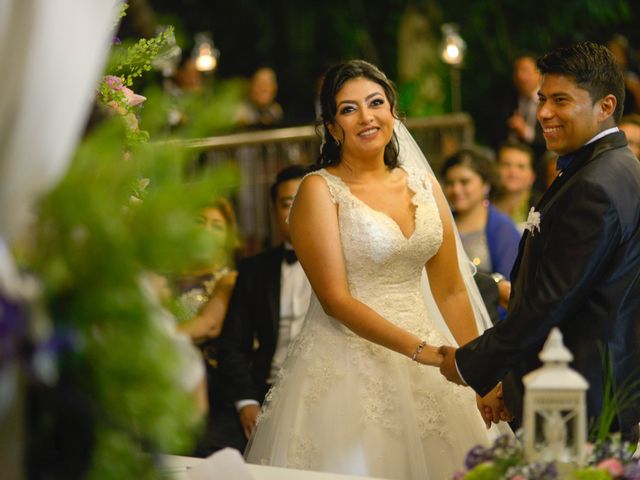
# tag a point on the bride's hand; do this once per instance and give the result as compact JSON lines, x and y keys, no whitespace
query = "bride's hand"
{"x":430,"y":356}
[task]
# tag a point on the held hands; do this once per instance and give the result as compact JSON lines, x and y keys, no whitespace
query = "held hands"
{"x":492,"y":407}
{"x":448,"y":366}
{"x":428,"y":355}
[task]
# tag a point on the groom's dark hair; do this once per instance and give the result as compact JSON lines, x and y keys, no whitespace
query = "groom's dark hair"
{"x":592,"y":66}
{"x":290,"y":172}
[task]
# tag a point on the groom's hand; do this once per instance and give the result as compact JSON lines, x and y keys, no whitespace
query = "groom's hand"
{"x":492,"y":407}
{"x":448,"y":366}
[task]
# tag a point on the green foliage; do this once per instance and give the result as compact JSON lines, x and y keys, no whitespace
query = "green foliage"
{"x":198,"y":114}
{"x":592,"y":473}
{"x":615,"y":397}
{"x":96,"y":239}
{"x":485,"y":471}
{"x":131,"y":60}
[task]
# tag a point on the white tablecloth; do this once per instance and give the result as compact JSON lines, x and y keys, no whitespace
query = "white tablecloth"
{"x":180,"y":466}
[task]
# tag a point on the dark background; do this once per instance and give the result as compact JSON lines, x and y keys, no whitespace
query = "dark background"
{"x":300,"y":38}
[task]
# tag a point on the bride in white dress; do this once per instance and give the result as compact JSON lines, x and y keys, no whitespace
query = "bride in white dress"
{"x":354,"y":395}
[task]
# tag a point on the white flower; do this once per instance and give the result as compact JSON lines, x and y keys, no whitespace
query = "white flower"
{"x":533,"y":221}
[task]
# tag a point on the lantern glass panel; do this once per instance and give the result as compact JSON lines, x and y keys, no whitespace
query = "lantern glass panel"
{"x":555,"y":432}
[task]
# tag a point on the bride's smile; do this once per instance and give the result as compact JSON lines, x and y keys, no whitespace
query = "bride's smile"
{"x":364,"y":120}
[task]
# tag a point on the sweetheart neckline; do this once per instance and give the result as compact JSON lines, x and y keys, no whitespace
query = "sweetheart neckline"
{"x":413,"y":202}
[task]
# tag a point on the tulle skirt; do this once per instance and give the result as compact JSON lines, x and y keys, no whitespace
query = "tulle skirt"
{"x":345,"y":405}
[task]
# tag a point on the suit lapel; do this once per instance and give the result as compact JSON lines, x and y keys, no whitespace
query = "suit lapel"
{"x":583,"y":157}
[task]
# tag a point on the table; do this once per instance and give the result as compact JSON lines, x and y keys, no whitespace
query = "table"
{"x":179,"y":467}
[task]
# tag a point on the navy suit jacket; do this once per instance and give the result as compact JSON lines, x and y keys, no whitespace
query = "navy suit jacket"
{"x":581,"y":273}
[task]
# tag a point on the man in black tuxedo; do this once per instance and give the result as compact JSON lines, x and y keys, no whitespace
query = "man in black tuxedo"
{"x":266,"y":311}
{"x":579,"y":269}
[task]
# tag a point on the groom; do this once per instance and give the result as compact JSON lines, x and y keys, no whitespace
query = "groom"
{"x":579,"y":267}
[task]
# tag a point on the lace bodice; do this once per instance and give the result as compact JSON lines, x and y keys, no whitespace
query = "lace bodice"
{"x":383,"y":265}
{"x":347,"y":405}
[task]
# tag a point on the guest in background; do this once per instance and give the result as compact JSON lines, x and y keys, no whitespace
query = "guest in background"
{"x":630,"y":125}
{"x":204,"y":293}
{"x":489,"y":237}
{"x":266,"y":312}
{"x":516,"y":115}
{"x":522,"y":123}
{"x":517,"y":196}
{"x":202,"y":301}
{"x":261,"y":110}
{"x":619,"y":46}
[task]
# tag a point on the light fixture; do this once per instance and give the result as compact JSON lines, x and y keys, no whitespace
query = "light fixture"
{"x":205,"y":54}
{"x":452,"y":51}
{"x":453,"y":46}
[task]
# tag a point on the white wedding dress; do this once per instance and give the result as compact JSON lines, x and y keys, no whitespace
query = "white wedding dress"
{"x":343,"y":404}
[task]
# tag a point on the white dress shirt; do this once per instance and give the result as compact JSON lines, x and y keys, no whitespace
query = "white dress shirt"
{"x":295,"y":294}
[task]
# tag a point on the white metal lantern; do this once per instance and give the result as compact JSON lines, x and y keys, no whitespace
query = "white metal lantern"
{"x":555,"y":407}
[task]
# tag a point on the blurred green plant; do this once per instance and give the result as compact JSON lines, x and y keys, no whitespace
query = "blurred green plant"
{"x":97,"y":235}
{"x":191,"y":115}
{"x":616,"y":397}
{"x":130,"y":60}
{"x":125,"y":209}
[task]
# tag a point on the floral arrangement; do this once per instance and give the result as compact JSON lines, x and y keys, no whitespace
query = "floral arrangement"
{"x":103,"y":393}
{"x":504,"y":460}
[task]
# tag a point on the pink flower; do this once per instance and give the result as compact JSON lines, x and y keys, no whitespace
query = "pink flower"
{"x":133,"y":99}
{"x":518,"y":477}
{"x":612,"y":466}
{"x":115,"y":84}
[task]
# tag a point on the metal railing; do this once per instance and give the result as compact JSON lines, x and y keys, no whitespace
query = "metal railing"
{"x":259,"y":155}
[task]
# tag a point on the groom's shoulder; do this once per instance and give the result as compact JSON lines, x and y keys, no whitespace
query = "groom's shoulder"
{"x":614,"y":170}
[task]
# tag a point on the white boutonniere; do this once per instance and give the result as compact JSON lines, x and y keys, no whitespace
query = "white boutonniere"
{"x":533,"y":221}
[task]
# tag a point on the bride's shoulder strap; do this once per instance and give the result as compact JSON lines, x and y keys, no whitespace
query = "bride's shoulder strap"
{"x":420,"y":179}
{"x":335,"y":186}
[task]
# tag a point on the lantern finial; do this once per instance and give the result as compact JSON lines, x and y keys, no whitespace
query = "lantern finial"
{"x":554,"y":350}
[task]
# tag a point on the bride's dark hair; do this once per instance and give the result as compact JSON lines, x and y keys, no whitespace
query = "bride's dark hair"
{"x":332,"y":82}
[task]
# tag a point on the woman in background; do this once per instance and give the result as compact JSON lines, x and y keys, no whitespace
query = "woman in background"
{"x":490,"y":238}
{"x":204,"y":293}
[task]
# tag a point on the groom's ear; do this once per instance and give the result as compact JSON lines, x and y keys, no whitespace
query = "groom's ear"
{"x":607,"y":107}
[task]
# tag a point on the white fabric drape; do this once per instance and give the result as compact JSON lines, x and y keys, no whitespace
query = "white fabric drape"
{"x":51,"y":55}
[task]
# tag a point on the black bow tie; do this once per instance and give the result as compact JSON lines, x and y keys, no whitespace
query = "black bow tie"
{"x":290,"y":256}
{"x":563,"y":162}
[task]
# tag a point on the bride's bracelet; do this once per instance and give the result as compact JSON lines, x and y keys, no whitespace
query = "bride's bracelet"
{"x":414,"y":357}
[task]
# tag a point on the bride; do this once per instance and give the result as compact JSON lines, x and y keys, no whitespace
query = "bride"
{"x":354,"y":395}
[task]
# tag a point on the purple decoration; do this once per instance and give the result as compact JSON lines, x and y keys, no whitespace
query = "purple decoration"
{"x":12,"y":329}
{"x":476,"y":456}
{"x":632,"y":471}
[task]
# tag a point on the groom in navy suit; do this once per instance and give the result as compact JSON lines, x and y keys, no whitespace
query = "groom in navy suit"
{"x":579,"y":267}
